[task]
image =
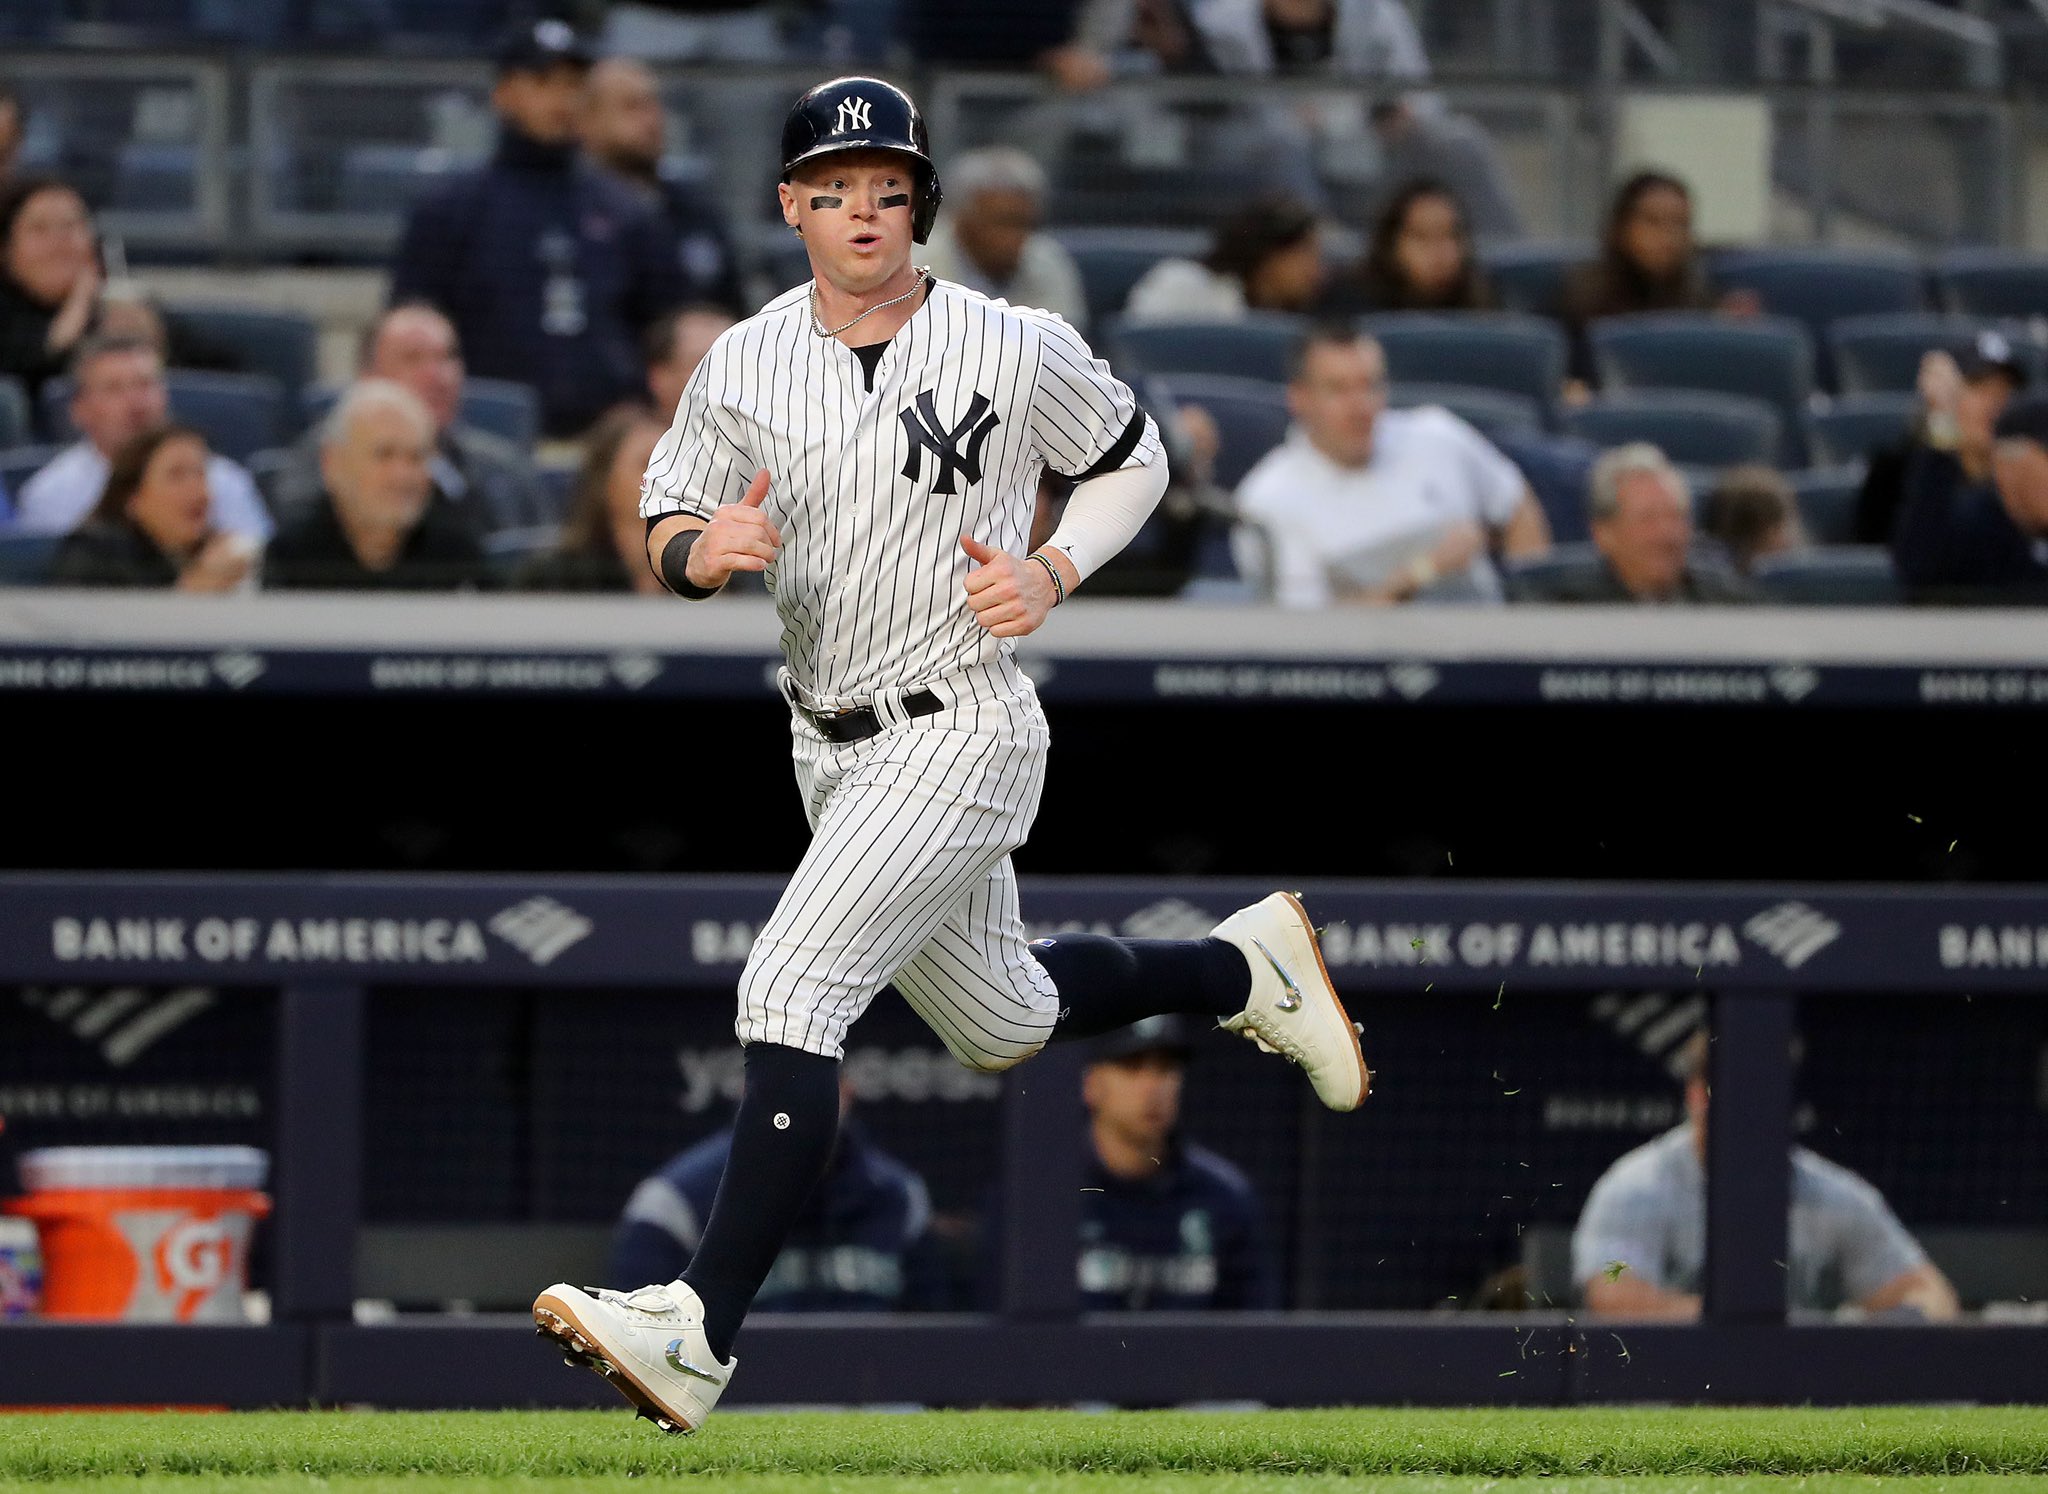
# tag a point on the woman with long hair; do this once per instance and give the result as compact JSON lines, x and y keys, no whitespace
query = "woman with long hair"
{"x":1266,"y":256}
{"x":603,"y":546}
{"x":153,"y":524}
{"x":1420,"y":258}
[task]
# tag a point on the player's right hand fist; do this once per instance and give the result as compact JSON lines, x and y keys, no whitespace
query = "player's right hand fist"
{"x":739,"y":538}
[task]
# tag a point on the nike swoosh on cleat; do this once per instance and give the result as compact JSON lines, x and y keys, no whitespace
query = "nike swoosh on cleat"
{"x":677,"y":1362}
{"x":1292,"y":1000}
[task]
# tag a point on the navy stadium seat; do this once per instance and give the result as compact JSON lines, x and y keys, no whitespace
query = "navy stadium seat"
{"x":1837,"y":575}
{"x":1993,"y":282}
{"x":1531,"y":276}
{"x":19,"y":463}
{"x":237,"y":413}
{"x":388,"y":179}
{"x":1827,"y":502}
{"x":1882,"y":353}
{"x":1764,"y":357}
{"x":1257,"y":347}
{"x":1251,"y":418}
{"x":25,"y":558}
{"x":16,"y":420}
{"x":156,"y":176}
{"x":1110,"y":260}
{"x":1531,"y":576}
{"x":282,"y":344}
{"x":1691,"y":427}
{"x":1515,"y":353}
{"x":1492,"y":412}
{"x":1820,"y":286}
{"x":1857,"y":424}
{"x":1556,"y":469}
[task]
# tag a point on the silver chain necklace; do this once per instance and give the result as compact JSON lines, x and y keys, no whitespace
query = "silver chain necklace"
{"x":923,"y":274}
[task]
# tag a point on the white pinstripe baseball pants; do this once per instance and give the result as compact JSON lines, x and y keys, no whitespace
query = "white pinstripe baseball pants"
{"x":908,"y":879}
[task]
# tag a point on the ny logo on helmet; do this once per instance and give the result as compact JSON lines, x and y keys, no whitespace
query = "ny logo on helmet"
{"x":853,"y":115}
{"x":928,"y":433}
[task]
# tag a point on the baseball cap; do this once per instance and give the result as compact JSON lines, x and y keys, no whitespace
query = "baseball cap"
{"x":1162,"y":1034}
{"x":2025,"y":420}
{"x":1991,"y":351}
{"x":541,"y":46}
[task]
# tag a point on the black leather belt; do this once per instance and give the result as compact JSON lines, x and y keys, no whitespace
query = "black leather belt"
{"x":860,"y":723}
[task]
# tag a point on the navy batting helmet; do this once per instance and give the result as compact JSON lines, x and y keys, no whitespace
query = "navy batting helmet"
{"x":864,"y":114}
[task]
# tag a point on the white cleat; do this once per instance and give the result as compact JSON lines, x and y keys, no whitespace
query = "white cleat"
{"x":1294,"y":1010}
{"x":649,"y":1344}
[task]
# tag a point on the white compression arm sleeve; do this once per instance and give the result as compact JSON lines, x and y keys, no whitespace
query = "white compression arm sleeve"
{"x":1105,"y":513}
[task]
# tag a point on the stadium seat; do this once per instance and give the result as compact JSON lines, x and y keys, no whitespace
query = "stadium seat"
{"x":1532,"y":577}
{"x":16,"y":421}
{"x":1492,"y":411}
{"x":506,"y":551}
{"x":265,"y":467}
{"x":282,"y":344}
{"x":156,"y":176}
{"x":387,"y":179}
{"x":1111,"y":260}
{"x":1765,"y":357}
{"x":1821,"y":286}
{"x":1827,"y":502}
{"x":1251,"y":418}
{"x":1834,"y":576}
{"x":237,"y":413}
{"x":1515,"y":353}
{"x":1876,"y":354}
{"x":1257,"y":347}
{"x":1857,"y":424}
{"x":1531,"y":277}
{"x":25,"y":558}
{"x":1691,"y":427}
{"x":1556,"y":469}
{"x":1993,"y":282}
{"x":504,"y":408}
{"x":19,"y":463}
{"x":559,"y":484}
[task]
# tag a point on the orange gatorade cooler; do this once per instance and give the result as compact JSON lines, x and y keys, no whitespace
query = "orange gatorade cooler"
{"x":144,"y":1234}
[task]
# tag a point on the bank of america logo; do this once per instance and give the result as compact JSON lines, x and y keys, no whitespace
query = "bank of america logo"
{"x":123,"y":1023}
{"x":541,"y":928}
{"x":1793,"y":932}
{"x":1413,"y":680}
{"x":237,"y":669}
{"x":1171,"y":918}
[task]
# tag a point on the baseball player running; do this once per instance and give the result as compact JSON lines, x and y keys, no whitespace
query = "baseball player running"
{"x":873,"y":442}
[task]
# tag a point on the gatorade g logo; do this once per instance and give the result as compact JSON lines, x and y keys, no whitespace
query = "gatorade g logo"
{"x":853,"y":115}
{"x":193,"y":1259}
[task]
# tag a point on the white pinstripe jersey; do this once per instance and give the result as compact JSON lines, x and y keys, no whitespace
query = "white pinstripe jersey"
{"x":872,"y":490}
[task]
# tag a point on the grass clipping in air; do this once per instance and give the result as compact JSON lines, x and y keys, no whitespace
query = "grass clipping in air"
{"x":1648,"y":1449}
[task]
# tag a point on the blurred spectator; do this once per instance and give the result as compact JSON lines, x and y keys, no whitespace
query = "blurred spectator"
{"x":153,"y":523}
{"x":1419,"y":258}
{"x":1983,"y":539}
{"x":672,"y":349}
{"x":1165,"y":1225}
{"x":50,"y":277}
{"x":863,"y":1243}
{"x":13,"y":132}
{"x":1753,"y":512}
{"x":1648,"y":262}
{"x":1070,"y":39}
{"x":1365,"y":41}
{"x":117,"y":393}
{"x":1267,"y":256}
{"x":604,"y":540}
{"x":483,"y":480}
{"x":625,"y":130}
{"x":547,"y":266}
{"x":988,"y":239}
{"x":1366,"y":504}
{"x":1641,"y":1244}
{"x":1960,"y":402}
{"x":377,"y":526}
{"x":694,"y":30}
{"x":1641,"y":513}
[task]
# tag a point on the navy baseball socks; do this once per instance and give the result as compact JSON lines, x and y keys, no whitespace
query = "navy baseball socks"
{"x":1109,"y":983}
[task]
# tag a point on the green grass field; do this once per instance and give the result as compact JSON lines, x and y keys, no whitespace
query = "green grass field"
{"x":1629,"y":1451}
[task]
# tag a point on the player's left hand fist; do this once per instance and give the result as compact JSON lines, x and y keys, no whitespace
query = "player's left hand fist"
{"x":1008,"y":595}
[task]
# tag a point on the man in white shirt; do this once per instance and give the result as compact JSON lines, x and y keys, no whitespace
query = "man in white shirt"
{"x":990,"y":241}
{"x":1365,"y":504}
{"x":118,"y":392}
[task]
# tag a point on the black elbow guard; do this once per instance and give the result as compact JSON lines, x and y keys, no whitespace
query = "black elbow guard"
{"x":674,"y":571}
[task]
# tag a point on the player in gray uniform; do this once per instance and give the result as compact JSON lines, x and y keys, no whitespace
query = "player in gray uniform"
{"x":872,"y":441}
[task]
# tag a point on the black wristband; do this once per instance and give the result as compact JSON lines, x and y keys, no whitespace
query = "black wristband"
{"x":675,"y":561}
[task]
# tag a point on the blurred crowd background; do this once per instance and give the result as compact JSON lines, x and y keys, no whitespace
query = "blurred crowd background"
{"x":1436,"y":301}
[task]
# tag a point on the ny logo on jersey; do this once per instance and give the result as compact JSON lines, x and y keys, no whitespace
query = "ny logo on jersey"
{"x":853,"y":115}
{"x":928,"y":433}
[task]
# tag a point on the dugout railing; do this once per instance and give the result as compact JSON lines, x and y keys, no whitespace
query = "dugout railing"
{"x":1530,"y":939}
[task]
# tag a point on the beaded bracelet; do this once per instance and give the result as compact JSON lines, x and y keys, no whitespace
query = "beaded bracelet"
{"x":1059,"y":587}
